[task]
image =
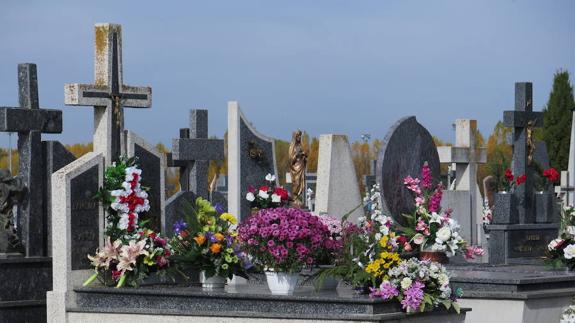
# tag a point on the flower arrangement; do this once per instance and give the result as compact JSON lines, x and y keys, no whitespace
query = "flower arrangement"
{"x":568,"y":315}
{"x":561,"y":251}
{"x":429,"y":227}
{"x":207,"y":241}
{"x":417,"y":285}
{"x":267,"y":195}
{"x":285,"y":239}
{"x":547,"y":178}
{"x":511,"y":182}
{"x":334,"y":244}
{"x":131,"y":252}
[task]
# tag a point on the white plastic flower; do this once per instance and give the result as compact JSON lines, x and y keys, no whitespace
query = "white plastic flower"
{"x":250,"y":196}
{"x":571,"y":230}
{"x":435,"y":218}
{"x":569,"y":251}
{"x":444,"y":233}
{"x":418,"y":239}
{"x":270,"y":177}
{"x":124,"y":221}
{"x":263,"y":194}
{"x":554,"y":243}
{"x":405,"y":283}
{"x":276,"y":198}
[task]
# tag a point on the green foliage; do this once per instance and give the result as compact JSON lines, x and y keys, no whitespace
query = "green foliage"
{"x":557,"y":120}
{"x":499,"y":153}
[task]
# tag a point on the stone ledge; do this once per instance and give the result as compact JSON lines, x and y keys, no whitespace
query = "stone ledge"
{"x":253,"y":301}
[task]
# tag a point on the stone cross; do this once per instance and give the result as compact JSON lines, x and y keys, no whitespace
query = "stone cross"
{"x":29,"y":121}
{"x":193,"y":151}
{"x":519,"y":120}
{"x":466,"y":157}
{"x":108,"y":94}
{"x":566,"y":188}
{"x":571,"y":165}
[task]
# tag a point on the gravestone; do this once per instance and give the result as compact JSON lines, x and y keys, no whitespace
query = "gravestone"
{"x":337,"y":191}
{"x":152,"y":162}
{"x":465,"y":200}
{"x":55,"y":156}
{"x":108,"y":95}
{"x":251,"y":156}
{"x":521,"y":228}
{"x":78,"y":226}
{"x":571,"y":165}
{"x":192,"y":153}
{"x":407,"y":146}
{"x":565,"y":189}
{"x":29,"y":121}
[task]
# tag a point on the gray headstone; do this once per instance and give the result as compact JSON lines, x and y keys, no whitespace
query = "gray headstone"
{"x":153,"y":166}
{"x":176,"y":207}
{"x":407,"y":146}
{"x":84,"y":214}
{"x":541,"y":156}
{"x":30,"y":122}
{"x":55,"y":156}
{"x":251,"y":156}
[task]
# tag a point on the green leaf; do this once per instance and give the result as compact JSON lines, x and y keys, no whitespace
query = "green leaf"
{"x":456,"y":307}
{"x":447,"y":304}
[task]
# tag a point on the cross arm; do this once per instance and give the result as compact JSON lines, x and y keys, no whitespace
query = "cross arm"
{"x":86,"y":94}
{"x":136,"y":97}
{"x":19,"y":120}
{"x":448,"y":154}
{"x":188,"y":149}
{"x":517,"y":119}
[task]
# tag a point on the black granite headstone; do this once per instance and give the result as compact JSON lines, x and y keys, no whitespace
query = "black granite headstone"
{"x":152,"y":169}
{"x":54,"y":156}
{"x":407,"y":146}
{"x":85,"y":212}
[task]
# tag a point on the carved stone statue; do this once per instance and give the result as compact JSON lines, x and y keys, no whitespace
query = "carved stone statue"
{"x":530,"y":142}
{"x":298,"y":163}
{"x":11,"y":192}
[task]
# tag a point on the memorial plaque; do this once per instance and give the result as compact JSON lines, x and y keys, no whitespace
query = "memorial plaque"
{"x":84,"y":217}
{"x":529,"y":243}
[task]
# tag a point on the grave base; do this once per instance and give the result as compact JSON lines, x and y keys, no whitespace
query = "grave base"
{"x":518,"y":293}
{"x":253,"y":304}
{"x":24,"y":285}
{"x":519,"y":243}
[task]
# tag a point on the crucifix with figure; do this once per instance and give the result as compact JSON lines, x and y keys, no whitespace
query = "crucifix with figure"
{"x":108,"y":94}
{"x":523,"y":121}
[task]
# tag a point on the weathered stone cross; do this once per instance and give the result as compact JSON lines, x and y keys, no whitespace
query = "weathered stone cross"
{"x":193,"y":151}
{"x":466,"y":157}
{"x":30,"y":122}
{"x":108,"y":95}
{"x":522,"y":119}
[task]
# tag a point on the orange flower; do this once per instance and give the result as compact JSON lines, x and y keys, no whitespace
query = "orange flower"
{"x":219,"y":236}
{"x":216,"y":247}
{"x":200,"y":239}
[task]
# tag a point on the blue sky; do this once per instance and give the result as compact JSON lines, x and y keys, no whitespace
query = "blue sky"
{"x":330,"y":66}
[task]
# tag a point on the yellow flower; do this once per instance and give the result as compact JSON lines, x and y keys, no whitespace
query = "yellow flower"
{"x":149,"y":261}
{"x":383,"y":241}
{"x":229,"y":217}
{"x":219,"y":236}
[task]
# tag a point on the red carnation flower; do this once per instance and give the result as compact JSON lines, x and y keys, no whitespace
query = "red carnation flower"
{"x":264,"y":188}
{"x":509,"y":175}
{"x":282,"y":193}
{"x":521,"y":179}
{"x":551,"y":174}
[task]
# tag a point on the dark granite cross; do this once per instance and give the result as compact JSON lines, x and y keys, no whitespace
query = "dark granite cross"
{"x":29,"y":121}
{"x":520,"y":120}
{"x":108,"y":95}
{"x":192,"y":153}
